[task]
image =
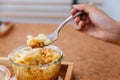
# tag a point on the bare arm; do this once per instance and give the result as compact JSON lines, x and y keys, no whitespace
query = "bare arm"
{"x":98,"y":24}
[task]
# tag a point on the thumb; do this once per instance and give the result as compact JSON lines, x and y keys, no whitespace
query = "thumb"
{"x":83,"y":7}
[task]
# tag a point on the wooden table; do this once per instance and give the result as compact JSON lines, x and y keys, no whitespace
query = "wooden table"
{"x":93,"y":59}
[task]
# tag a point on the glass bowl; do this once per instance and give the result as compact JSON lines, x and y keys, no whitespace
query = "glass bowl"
{"x":4,"y":73}
{"x":48,"y":71}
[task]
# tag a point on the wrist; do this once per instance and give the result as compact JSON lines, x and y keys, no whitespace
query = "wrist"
{"x":118,"y":33}
{"x":115,"y":34}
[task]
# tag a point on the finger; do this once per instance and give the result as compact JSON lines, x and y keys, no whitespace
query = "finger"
{"x":83,"y":7}
{"x":77,"y":20}
{"x":81,"y":24}
{"x":77,"y":27}
{"x":87,"y":20}
{"x":85,"y":26}
{"x":73,"y":11}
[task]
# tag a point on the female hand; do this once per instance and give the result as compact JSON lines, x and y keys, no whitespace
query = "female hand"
{"x":98,"y":24}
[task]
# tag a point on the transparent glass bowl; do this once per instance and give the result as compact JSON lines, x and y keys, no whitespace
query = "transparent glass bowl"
{"x":4,"y":73}
{"x":48,"y":71}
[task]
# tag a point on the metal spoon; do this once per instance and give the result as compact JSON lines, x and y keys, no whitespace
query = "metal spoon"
{"x":54,"y":36}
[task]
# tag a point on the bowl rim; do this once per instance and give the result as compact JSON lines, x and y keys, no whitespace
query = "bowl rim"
{"x":44,"y":65}
{"x":6,"y":71}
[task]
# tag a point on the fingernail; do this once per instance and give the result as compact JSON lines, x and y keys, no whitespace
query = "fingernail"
{"x":74,"y":5}
{"x":77,"y":27}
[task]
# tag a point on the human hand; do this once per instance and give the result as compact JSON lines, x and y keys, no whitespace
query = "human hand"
{"x":98,"y":24}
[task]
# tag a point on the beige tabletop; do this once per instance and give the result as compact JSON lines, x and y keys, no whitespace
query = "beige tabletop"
{"x":93,"y":59}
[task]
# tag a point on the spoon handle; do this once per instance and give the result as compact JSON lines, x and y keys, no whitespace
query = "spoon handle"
{"x":67,"y":20}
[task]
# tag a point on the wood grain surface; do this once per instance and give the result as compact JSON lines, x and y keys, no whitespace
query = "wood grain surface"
{"x":93,"y":59}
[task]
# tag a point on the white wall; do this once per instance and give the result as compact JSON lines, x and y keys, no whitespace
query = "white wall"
{"x":39,"y":11}
{"x":111,"y":7}
{"x":48,"y":11}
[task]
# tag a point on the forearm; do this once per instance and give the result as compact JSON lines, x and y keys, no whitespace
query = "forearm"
{"x":117,"y":42}
{"x":119,"y":34}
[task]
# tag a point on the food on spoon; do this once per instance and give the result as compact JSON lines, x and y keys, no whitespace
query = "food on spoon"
{"x":39,"y":41}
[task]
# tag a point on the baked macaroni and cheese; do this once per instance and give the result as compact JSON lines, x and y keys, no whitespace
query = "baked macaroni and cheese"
{"x":36,"y":56}
{"x":39,"y":41}
{"x":37,"y":63}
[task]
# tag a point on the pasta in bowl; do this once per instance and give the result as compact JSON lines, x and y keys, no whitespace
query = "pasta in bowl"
{"x":38,"y":63}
